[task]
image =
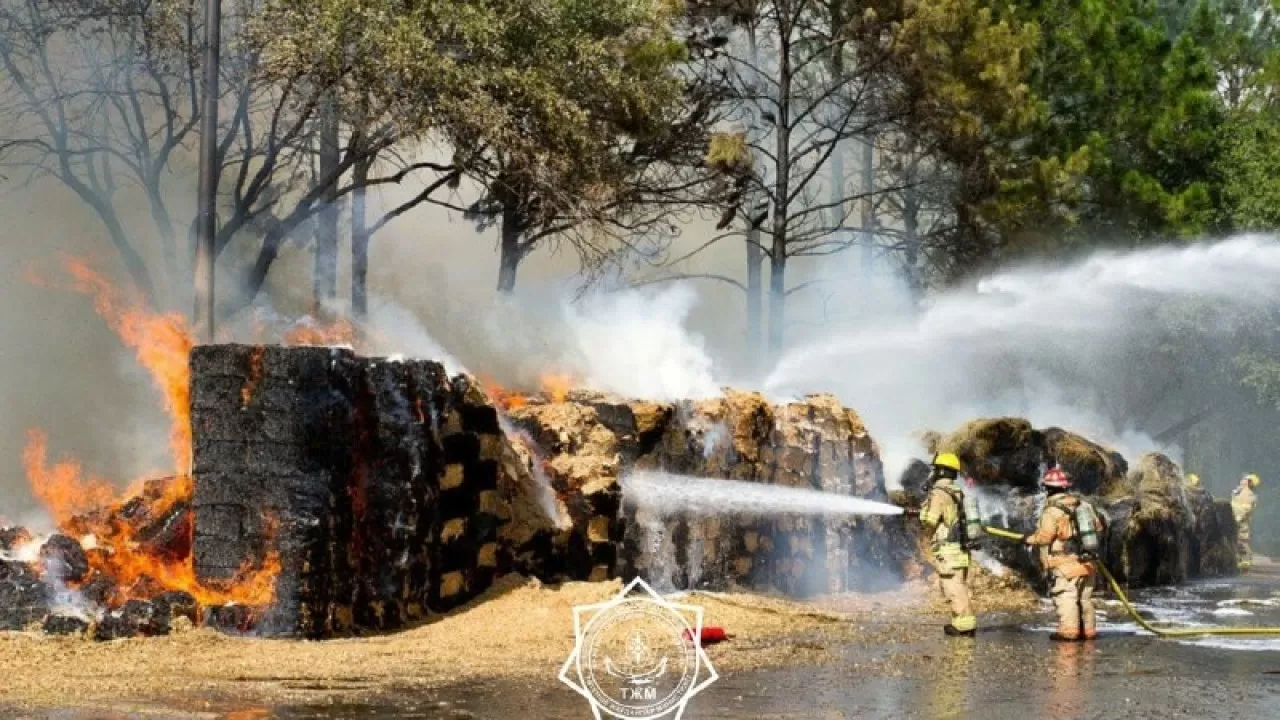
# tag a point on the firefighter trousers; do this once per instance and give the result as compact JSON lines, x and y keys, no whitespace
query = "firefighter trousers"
{"x":955,"y":588}
{"x":1073,"y":599}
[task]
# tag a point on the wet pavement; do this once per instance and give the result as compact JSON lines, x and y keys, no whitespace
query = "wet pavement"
{"x":1011,"y":670}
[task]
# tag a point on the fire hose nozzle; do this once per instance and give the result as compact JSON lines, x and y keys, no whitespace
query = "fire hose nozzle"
{"x":911,"y":511}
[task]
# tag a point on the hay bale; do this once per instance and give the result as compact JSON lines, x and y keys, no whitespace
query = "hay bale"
{"x":1150,"y":540}
{"x":1213,"y":544}
{"x":995,"y":451}
{"x":24,"y":598}
{"x":1095,"y":470}
{"x":1010,"y":452}
{"x":64,"y":559}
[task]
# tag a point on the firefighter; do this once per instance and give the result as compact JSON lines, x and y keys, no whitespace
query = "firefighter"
{"x":1057,"y":537}
{"x":941,"y":514}
{"x":1243,"y":500}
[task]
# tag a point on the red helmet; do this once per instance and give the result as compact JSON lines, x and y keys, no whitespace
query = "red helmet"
{"x":1056,"y":478}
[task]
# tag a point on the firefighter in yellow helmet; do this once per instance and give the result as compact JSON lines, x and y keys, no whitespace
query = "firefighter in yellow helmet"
{"x":1074,"y":575}
{"x":1243,"y":500}
{"x":1193,"y":480}
{"x":941,"y":514}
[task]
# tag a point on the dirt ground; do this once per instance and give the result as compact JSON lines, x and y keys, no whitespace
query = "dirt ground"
{"x":519,"y":630}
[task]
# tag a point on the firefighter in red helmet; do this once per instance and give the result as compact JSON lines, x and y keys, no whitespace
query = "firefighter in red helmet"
{"x":1073,"y":571}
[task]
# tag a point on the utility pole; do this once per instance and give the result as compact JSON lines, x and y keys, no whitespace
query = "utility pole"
{"x":206,"y":220}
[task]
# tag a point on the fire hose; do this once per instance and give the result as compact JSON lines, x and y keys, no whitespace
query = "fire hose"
{"x":1124,"y":600}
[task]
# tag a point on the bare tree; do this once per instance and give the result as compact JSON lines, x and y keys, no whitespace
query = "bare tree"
{"x":805,"y":81}
{"x":103,"y":97}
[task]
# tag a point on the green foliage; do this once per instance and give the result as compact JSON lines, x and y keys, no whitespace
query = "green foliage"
{"x":550,"y":86}
{"x":1144,"y":105}
{"x":1250,"y":166}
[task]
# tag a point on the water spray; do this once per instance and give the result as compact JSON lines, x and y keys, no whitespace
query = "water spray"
{"x":666,"y":493}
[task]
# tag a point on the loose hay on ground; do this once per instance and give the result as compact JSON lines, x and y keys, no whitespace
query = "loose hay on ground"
{"x":520,"y":629}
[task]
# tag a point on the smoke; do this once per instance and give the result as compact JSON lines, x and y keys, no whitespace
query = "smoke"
{"x":1044,"y":342}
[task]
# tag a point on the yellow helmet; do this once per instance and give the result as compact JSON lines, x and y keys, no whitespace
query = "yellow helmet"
{"x":1193,"y":480}
{"x":947,"y":460}
{"x":1254,"y":480}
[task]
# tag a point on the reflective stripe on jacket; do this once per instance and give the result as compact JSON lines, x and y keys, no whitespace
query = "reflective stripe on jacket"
{"x":941,"y":512}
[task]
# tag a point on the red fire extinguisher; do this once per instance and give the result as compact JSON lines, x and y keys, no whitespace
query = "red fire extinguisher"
{"x":709,"y":636}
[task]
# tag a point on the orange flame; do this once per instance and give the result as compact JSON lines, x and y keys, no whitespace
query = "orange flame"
{"x":556,"y":386}
{"x":81,"y":506}
{"x":162,"y":344}
{"x":308,"y":332}
{"x":90,"y":506}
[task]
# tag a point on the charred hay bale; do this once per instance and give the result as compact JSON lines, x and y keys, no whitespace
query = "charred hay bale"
{"x":915,"y":485}
{"x":63,"y":559}
{"x":231,"y":619}
{"x":24,"y":598}
{"x":1094,"y":469}
{"x":1009,"y":451}
{"x":995,"y":451}
{"x":99,"y":589}
{"x":393,"y":502}
{"x":136,"y":618}
{"x":13,"y":537}
{"x":1151,"y":533}
{"x":56,"y":624}
{"x":177,"y":604}
{"x":1213,"y":544}
{"x":294,"y":477}
{"x":469,"y":511}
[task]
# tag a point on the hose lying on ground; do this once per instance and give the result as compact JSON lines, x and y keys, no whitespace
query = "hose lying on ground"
{"x":1124,"y":600}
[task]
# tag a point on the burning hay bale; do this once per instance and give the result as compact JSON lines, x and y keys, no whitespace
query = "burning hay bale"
{"x":389,"y":490}
{"x":24,"y":596}
{"x":385,"y":487}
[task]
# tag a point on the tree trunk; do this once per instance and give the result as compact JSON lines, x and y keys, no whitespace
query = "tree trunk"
{"x":911,"y":239}
{"x":755,"y":253}
{"x":868,"y":219}
{"x":326,"y":260}
{"x":781,"y":193}
{"x":510,"y":251}
{"x":359,"y":243}
{"x":837,"y":154}
{"x":755,"y":272}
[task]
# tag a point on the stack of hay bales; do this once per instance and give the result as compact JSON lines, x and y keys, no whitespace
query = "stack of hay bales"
{"x":592,"y":440}
{"x":1159,"y":532}
{"x":387,"y":488}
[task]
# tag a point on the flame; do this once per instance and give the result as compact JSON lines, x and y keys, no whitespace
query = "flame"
{"x":114,"y":526}
{"x":91,"y":507}
{"x":162,"y":344}
{"x":310,"y":332}
{"x":553,"y":387}
{"x":501,"y":396}
{"x":556,"y":386}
